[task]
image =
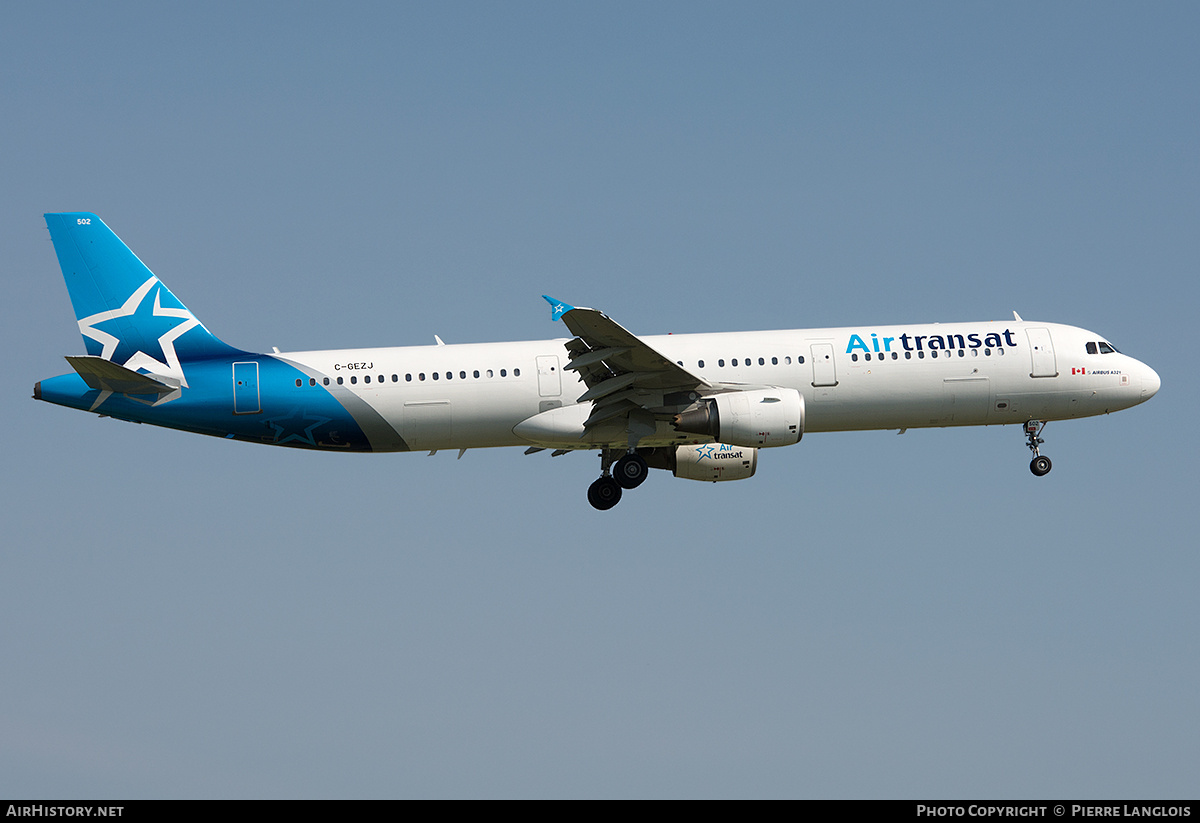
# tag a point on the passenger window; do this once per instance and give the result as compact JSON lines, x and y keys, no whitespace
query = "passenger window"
{"x":408,"y":377}
{"x":800,"y":360}
{"x":476,"y":373}
{"x":436,"y":375}
{"x":787,"y":361}
{"x":721,"y":363}
{"x":449,"y":375}
{"x":339,"y":381}
{"x":774,"y":361}
{"x":312,"y":381}
{"x":762,"y":362}
{"x":326,"y":381}
{"x":421,"y":377}
{"x":462,"y":375}
{"x":299,"y":382}
{"x":700,"y":364}
{"x":895,"y":356}
{"x":489,"y":372}
{"x":908,"y":355}
{"x":854,"y":357}
{"x":920,"y":355}
{"x":503,"y":373}
{"x":366,"y":379}
{"x":353,"y":380}
{"x":516,"y":372}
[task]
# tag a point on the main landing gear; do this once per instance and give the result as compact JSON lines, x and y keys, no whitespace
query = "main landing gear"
{"x":1039,"y":465}
{"x":629,"y":472}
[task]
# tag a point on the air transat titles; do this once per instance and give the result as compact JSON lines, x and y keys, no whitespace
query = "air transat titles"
{"x":923,"y":342}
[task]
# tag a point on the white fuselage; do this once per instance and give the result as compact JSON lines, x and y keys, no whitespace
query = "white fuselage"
{"x":880,"y":377}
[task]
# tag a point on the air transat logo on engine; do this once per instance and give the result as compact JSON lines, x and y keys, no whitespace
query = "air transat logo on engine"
{"x":719,"y":451}
{"x":931,"y":342}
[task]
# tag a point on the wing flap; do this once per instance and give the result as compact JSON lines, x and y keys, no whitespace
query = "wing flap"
{"x":601,"y":333}
{"x":624,"y":375}
{"x":593,"y":357}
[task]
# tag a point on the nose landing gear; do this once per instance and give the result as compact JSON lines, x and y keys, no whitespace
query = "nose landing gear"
{"x":1039,"y":465}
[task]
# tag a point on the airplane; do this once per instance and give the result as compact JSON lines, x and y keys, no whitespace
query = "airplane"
{"x":698,"y":405}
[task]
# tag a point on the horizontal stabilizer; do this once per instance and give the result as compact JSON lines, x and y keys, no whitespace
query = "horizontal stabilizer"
{"x":106,"y":375}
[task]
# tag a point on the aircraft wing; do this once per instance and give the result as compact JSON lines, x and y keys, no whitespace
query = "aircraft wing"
{"x":625,"y":376}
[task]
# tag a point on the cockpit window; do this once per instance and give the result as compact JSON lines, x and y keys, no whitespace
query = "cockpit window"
{"x":1105,"y":348}
{"x":1091,"y":348}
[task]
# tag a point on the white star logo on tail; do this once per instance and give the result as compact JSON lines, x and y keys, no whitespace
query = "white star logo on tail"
{"x":140,"y":360}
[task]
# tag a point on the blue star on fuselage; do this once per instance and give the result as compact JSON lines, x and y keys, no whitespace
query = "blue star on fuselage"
{"x":291,"y":428}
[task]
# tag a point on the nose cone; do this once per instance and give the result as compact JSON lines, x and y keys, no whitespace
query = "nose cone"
{"x":1150,"y":382}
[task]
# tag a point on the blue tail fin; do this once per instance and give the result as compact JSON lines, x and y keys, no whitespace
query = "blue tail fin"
{"x":125,"y":313}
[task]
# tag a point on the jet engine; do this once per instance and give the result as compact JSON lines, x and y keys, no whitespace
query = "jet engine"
{"x":710,"y":462}
{"x":761,"y":417}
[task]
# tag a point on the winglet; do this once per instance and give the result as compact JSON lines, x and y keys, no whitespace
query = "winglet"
{"x":557,"y":307}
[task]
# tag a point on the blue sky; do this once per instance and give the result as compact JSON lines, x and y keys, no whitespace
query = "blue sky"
{"x":869,"y":616}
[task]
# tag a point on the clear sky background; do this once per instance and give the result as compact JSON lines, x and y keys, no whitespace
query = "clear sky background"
{"x":869,"y":616}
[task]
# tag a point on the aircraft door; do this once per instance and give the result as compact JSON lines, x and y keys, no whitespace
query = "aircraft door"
{"x":824,"y":373}
{"x":428,"y":424}
{"x":1042,"y":351}
{"x":966,"y":400}
{"x":245,"y":389}
{"x":549,"y":378}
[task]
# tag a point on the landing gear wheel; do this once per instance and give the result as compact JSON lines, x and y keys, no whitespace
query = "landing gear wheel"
{"x":604,"y":493}
{"x":1040,"y":466}
{"x":631,"y":471}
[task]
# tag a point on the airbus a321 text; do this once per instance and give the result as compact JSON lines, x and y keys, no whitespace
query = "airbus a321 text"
{"x":699,"y":405}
